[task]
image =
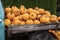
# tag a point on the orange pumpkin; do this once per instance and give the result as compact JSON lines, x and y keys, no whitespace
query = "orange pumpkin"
{"x":25,"y":16}
{"x":15,"y":10}
{"x":20,"y":17}
{"x":7,"y":22}
{"x":22,"y":7}
{"x":16,"y":22}
{"x":47,"y":13}
{"x":53,"y":19}
{"x":33,"y":16}
{"x":17,"y":13}
{"x":59,"y":18}
{"x":41,"y":11}
{"x":53,"y":16}
{"x":7,"y":9}
{"x":16,"y":18}
{"x":58,"y":32}
{"x":35,"y":11}
{"x":22,"y":11}
{"x":36,"y":8}
{"x":39,"y":16}
{"x":29,"y":21}
{"x":10,"y":16}
{"x":22,"y":23}
{"x":30,"y":10}
{"x":45,"y":19}
{"x":36,"y":22}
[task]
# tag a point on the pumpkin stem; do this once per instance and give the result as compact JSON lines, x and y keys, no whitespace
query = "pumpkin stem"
{"x":8,"y":6}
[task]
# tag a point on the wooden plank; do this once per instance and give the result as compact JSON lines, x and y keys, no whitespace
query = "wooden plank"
{"x":20,"y":29}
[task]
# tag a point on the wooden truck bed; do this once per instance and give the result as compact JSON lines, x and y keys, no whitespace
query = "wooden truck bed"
{"x":29,"y":28}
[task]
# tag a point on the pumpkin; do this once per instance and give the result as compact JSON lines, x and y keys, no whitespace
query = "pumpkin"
{"x":47,"y":13}
{"x":16,"y":18}
{"x":16,"y":22}
{"x":25,"y":16}
{"x":15,"y":10}
{"x":22,"y":7}
{"x":36,"y":8}
{"x":10,"y":16}
{"x":7,"y":22}
{"x":41,"y":11}
{"x":7,"y":10}
{"x":33,"y":16}
{"x":45,"y":19}
{"x":35,"y":11}
{"x":29,"y":21}
{"x":20,"y":17}
{"x":58,"y":32}
{"x":36,"y":22}
{"x":22,"y":11}
{"x":30,"y":10}
{"x":39,"y":16}
{"x":22,"y":23}
{"x":53,"y":19}
{"x":53,"y":16}
{"x":59,"y":18}
{"x":17,"y":13}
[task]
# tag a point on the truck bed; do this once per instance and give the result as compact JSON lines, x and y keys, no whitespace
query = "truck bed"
{"x":34,"y":27}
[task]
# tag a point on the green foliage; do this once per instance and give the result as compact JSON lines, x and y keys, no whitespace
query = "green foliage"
{"x":46,"y":4}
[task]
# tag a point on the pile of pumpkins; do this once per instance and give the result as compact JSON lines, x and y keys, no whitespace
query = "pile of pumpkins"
{"x":56,"y":33}
{"x":22,"y":16}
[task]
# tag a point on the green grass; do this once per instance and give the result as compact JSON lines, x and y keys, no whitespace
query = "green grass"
{"x":46,"y":4}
